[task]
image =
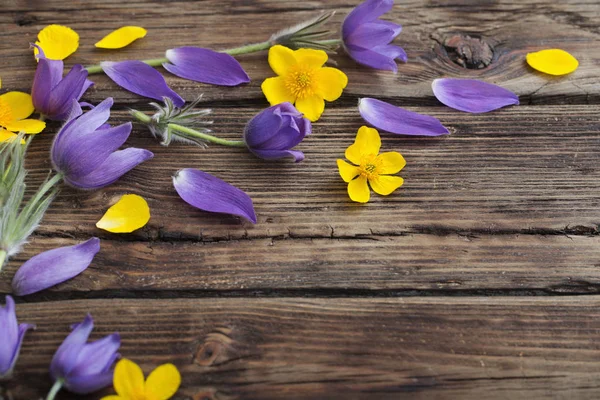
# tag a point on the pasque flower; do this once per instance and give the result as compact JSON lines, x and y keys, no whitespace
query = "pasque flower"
{"x":84,"y":151}
{"x":161,"y":384}
{"x":302,"y":80}
{"x":272,"y":133}
{"x":82,"y":367}
{"x":12,"y":334}
{"x":367,"y":39}
{"x":15,"y":107}
{"x":370,"y":167}
{"x":52,"y":94}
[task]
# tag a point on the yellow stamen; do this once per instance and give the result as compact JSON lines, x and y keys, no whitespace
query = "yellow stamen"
{"x":300,"y":81}
{"x":369,"y":166}
{"x":6,"y":116}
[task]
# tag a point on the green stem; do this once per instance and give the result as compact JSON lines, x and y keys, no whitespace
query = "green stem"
{"x":47,"y":186}
{"x":55,"y":389}
{"x":206,"y":137}
{"x":250,"y":48}
{"x":3,"y":257}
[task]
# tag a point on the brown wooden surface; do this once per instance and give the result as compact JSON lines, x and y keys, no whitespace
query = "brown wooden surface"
{"x":324,"y":298}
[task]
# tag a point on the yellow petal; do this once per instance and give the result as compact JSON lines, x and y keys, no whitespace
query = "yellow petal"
{"x":128,"y":380}
{"x":276,"y":92}
{"x":385,"y":184}
{"x":58,"y":42}
{"x":281,"y":59}
{"x":330,"y":83}
{"x":19,"y":104}
{"x":312,"y":107}
{"x":121,"y":37}
{"x":347,"y":171}
{"x":553,"y":62}
{"x":26,"y":125}
{"x":131,"y":212}
{"x":6,"y":136}
{"x":367,"y":143}
{"x":391,"y":162}
{"x":311,"y":57}
{"x":163,"y":382}
{"x":358,"y":190}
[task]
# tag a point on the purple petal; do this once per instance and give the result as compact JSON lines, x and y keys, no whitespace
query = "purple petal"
{"x":391,"y":51}
{"x":365,"y":12}
{"x":277,"y":154}
{"x":371,"y":58}
{"x":54,"y":266}
{"x":115,"y":166}
{"x":69,"y":88}
{"x":65,"y":358}
{"x":89,"y":383}
{"x":210,"y":193}
{"x":47,"y":75}
{"x":387,"y":117}
{"x":11,"y":334}
{"x":471,"y":95}
{"x":206,"y":66}
{"x":141,"y":79}
{"x":97,"y":357}
{"x":370,"y":35}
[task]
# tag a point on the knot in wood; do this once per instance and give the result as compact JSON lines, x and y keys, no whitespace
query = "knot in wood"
{"x":469,"y":52}
{"x":214,"y":348}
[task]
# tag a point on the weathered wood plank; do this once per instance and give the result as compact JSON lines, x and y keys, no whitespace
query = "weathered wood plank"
{"x":524,"y":169}
{"x":369,"y":265}
{"x":443,"y":348}
{"x":512,"y":28}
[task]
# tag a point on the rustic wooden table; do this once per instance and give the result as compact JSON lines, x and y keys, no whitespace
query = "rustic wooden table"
{"x":479,"y":278}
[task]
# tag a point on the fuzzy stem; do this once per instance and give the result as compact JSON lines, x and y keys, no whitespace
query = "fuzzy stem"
{"x":47,"y":186}
{"x":3,"y":258}
{"x":55,"y":389}
{"x":206,"y":137}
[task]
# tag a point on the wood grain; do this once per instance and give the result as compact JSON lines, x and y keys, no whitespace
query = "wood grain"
{"x":297,"y":348}
{"x":512,"y":28}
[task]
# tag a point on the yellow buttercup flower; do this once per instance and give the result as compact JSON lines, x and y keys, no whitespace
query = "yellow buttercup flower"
{"x":370,"y":167}
{"x":161,"y":384}
{"x":131,"y":212}
{"x":58,"y":42}
{"x":552,"y":61}
{"x":302,"y":80}
{"x":121,"y":37}
{"x":15,"y":107}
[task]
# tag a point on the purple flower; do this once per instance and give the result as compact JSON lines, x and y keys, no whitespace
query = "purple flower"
{"x":142,"y":79}
{"x":85,"y":149}
{"x":210,"y":193}
{"x":274,"y":131}
{"x":387,"y":117}
{"x":54,"y":266}
{"x":206,"y":66}
{"x":85,"y":367}
{"x":52,"y":94}
{"x":471,"y":95}
{"x":367,"y":39}
{"x":11,"y":338}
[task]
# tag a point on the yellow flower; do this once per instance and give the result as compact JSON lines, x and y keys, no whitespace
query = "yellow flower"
{"x":58,"y":42}
{"x":131,"y":212}
{"x":552,"y":61}
{"x":370,"y":166}
{"x":121,"y":37}
{"x":15,"y":107}
{"x":302,"y":80}
{"x":161,"y":384}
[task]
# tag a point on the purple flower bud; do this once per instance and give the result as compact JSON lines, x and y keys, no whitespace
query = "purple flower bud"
{"x":52,"y":94}
{"x":85,"y":149}
{"x":274,"y":131}
{"x":367,"y":39}
{"x":11,"y":337}
{"x":85,"y":367}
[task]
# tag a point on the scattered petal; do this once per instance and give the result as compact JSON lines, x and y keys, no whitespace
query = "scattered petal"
{"x":210,"y":193}
{"x":397,"y":120}
{"x":131,"y":212}
{"x":57,"y":41}
{"x":121,"y":37}
{"x":473,"y":96}
{"x":141,"y":79}
{"x":552,"y":61}
{"x":54,"y":266}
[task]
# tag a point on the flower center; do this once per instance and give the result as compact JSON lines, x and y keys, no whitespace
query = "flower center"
{"x":6,"y":116}
{"x":300,"y":82}
{"x":369,"y":166}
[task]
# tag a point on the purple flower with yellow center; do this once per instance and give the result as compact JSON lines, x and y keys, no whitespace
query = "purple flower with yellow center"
{"x":82,"y":367}
{"x":368,"y":40}
{"x":11,"y":334}
{"x":272,"y":133}
{"x":52,"y":94}
{"x":370,"y":166}
{"x":84,"y":151}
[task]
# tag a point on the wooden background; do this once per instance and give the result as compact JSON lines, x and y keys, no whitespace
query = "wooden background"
{"x":479,"y":278}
